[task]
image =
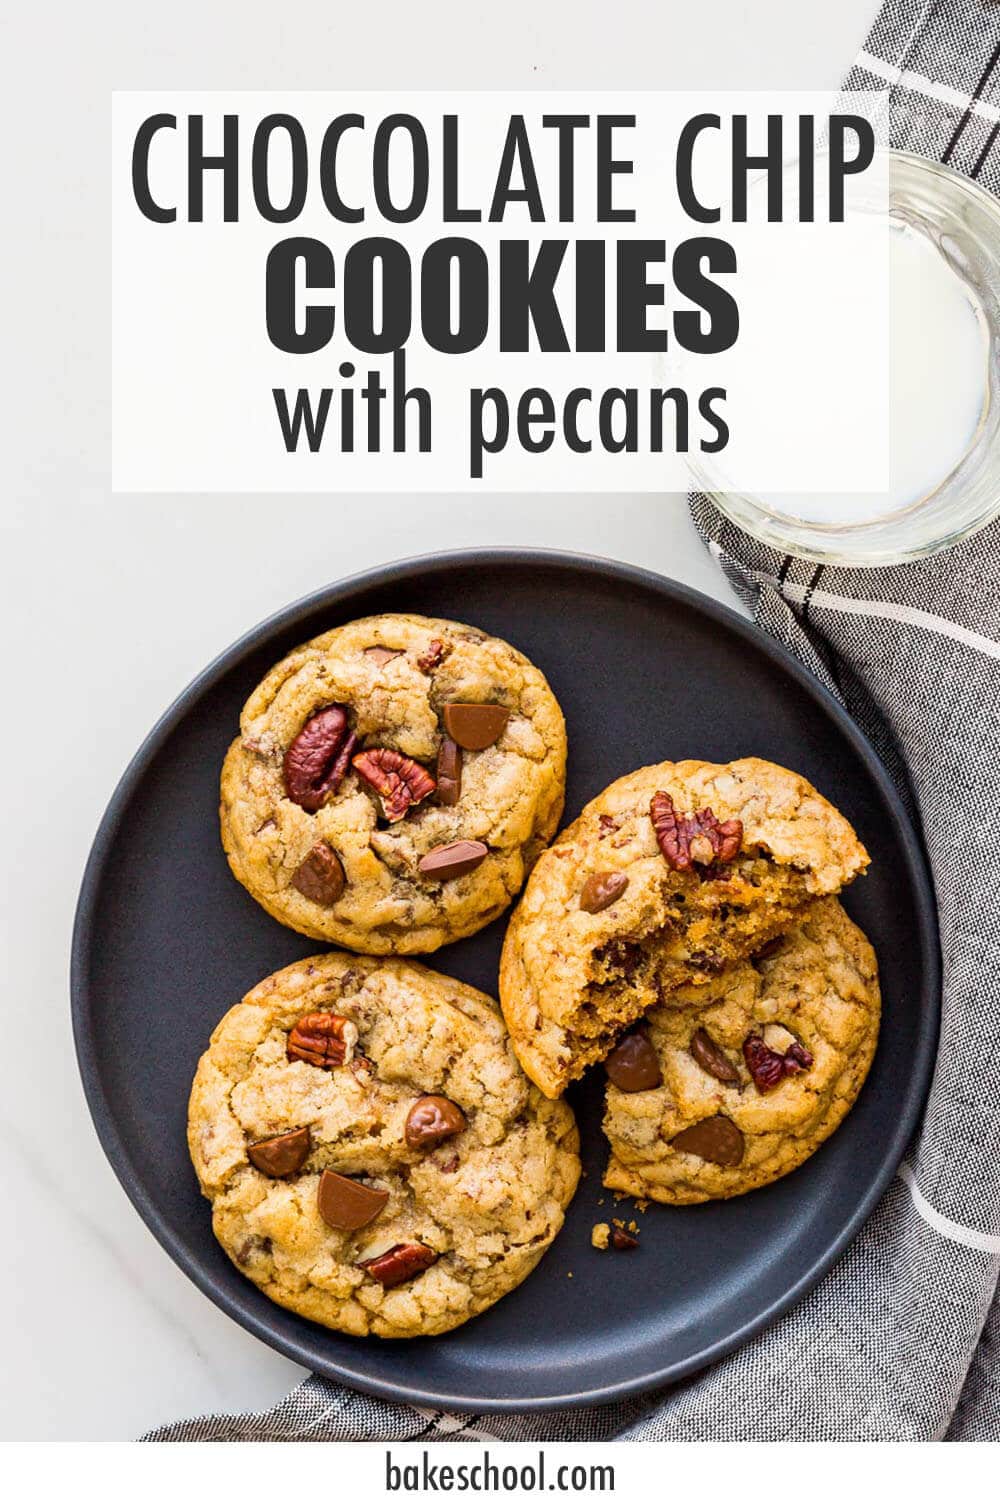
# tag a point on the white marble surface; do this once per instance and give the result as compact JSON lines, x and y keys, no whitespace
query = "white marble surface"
{"x":113,"y":603}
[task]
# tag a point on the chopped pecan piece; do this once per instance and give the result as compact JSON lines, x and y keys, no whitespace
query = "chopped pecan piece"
{"x":399,"y":1264}
{"x":622,"y":1240}
{"x":432,"y":657}
{"x":324,"y":1039}
{"x":316,"y":761}
{"x":767,"y":1067}
{"x":695,"y":838}
{"x":399,"y":781}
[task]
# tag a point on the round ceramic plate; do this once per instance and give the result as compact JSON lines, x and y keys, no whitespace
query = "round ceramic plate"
{"x":645,"y":670}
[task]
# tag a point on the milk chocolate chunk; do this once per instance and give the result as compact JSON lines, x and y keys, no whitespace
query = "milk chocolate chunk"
{"x":602,"y":890}
{"x":345,"y":1203}
{"x":633,"y":1066}
{"x":280,"y":1155}
{"x":448,"y":861}
{"x":716,"y":1139}
{"x":320,"y":876}
{"x":449,"y":773}
{"x":711,"y":1058}
{"x":433,"y":1119}
{"x":381,"y":654}
{"x":473,"y":726}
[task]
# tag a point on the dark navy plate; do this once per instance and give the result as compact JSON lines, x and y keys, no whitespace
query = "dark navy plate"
{"x":645,"y":670}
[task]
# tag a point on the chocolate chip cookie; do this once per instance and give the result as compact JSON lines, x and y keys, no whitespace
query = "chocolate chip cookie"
{"x":670,"y":874}
{"x":393,"y":783}
{"x":732,"y":1084}
{"x":375,"y":1158}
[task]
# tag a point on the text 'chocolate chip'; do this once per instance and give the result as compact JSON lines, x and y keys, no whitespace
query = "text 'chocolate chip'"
{"x":602,"y":890}
{"x":716,"y":1139}
{"x":474,"y":726}
{"x":448,"y":861}
{"x":346,"y":1204}
{"x":634,"y":1066}
{"x":280,"y":1155}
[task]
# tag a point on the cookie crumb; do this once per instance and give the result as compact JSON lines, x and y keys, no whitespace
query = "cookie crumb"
{"x":600,"y":1236}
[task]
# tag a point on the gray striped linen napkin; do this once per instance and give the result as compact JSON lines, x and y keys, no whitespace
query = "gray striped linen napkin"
{"x":902,"y":1339}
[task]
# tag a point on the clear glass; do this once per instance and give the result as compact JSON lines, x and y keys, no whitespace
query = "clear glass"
{"x":964,"y":222}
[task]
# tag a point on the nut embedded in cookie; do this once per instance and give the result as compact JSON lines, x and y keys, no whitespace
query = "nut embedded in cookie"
{"x":718,"y":860}
{"x":427,"y":1147}
{"x":345,"y":747}
{"x":713,"y":1135}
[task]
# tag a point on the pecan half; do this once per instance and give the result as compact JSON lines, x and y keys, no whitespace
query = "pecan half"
{"x":767,"y":1067}
{"x":317,"y":759}
{"x":695,"y":838}
{"x":399,"y":1264}
{"x":399,"y":781}
{"x":324,"y":1039}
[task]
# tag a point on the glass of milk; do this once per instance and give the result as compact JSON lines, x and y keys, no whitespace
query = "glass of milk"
{"x":944,"y":235}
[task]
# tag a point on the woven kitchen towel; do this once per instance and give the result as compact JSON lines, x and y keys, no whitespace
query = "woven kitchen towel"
{"x":902,"y":1339}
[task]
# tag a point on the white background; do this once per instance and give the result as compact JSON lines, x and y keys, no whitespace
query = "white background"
{"x":113,"y":603}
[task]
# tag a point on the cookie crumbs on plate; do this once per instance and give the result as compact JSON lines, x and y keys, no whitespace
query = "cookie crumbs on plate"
{"x":600,"y":1236}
